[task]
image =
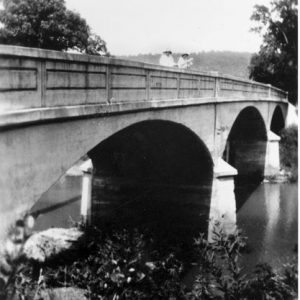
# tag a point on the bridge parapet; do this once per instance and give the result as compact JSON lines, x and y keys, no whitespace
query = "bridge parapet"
{"x":34,"y":78}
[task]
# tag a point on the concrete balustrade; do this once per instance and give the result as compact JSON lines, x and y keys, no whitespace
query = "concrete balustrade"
{"x":35,"y":78}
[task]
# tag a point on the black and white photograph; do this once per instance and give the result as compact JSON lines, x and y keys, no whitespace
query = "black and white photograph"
{"x":148,"y":150}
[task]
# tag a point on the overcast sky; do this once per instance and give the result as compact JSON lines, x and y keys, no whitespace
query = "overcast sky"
{"x":150,"y":26}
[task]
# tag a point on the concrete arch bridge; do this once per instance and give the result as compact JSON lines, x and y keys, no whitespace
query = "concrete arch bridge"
{"x":139,"y":122}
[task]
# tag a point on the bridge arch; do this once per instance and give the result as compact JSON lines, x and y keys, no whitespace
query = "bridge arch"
{"x":157,"y":173}
{"x":277,"y":121}
{"x":246,"y":151}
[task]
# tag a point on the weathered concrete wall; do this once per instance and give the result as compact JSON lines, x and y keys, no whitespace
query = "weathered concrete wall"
{"x":226,"y":115}
{"x":34,"y":157}
{"x":32,"y":78}
{"x":55,"y":107}
{"x":272,"y":161}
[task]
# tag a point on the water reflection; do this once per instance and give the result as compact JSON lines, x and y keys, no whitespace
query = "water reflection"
{"x":272,"y":204}
{"x":60,"y":205}
{"x":176,"y":213}
{"x":269,"y":220}
{"x":268,"y":217}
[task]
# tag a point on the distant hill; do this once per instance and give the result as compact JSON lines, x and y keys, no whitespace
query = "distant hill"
{"x":226,"y":62}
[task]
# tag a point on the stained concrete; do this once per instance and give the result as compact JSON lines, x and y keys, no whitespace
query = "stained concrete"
{"x":56,"y":107}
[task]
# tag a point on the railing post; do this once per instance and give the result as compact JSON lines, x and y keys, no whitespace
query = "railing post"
{"x":178,"y":85}
{"x":270,"y":91}
{"x":86,"y":193}
{"x":108,"y":84}
{"x":148,"y":79}
{"x":42,"y":77}
{"x":217,"y":87}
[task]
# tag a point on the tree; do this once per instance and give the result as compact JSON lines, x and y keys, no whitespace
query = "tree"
{"x":277,"y":62}
{"x":47,"y":24}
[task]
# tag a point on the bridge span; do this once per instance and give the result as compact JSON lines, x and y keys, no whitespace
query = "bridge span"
{"x":137,"y":121}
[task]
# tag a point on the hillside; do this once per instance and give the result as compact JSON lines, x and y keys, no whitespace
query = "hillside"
{"x":226,"y":62}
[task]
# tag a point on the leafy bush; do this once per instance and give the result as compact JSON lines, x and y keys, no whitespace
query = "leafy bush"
{"x":123,"y":264}
{"x":289,"y":151}
{"x":114,"y":265}
{"x":220,"y":276}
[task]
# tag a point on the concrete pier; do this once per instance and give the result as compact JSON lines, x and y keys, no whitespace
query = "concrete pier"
{"x":223,"y":204}
{"x":86,"y":195}
{"x":272,"y":161}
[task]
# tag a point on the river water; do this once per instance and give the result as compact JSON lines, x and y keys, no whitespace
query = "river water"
{"x":268,"y":217}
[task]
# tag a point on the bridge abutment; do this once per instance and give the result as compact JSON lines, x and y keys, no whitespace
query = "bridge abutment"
{"x":272,"y":162}
{"x":223,"y":203}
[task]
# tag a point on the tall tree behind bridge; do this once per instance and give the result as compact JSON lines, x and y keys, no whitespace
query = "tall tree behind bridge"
{"x":276,"y":62}
{"x":47,"y":24}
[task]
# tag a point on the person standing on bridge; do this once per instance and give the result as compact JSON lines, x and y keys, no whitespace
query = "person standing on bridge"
{"x":184,"y":62}
{"x":167,"y":59}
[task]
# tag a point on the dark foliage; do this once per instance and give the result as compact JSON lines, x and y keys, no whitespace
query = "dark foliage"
{"x":47,"y":24}
{"x":289,"y":151}
{"x":221,"y":277}
{"x":122,"y":264}
{"x":277,"y":60}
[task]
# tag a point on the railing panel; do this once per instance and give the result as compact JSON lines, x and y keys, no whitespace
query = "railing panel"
{"x":19,"y":84}
{"x":14,"y":79}
{"x":120,"y":81}
{"x":118,"y":69}
{"x":163,"y":85}
{"x":276,"y":94}
{"x":163,"y":94}
{"x":74,"y":83}
{"x":207,"y":86}
{"x":33,"y":78}
{"x":128,"y":95}
{"x":189,"y":87}
{"x":237,"y":89}
{"x":127,"y":84}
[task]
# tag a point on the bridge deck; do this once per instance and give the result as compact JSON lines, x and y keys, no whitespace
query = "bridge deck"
{"x":39,"y":83}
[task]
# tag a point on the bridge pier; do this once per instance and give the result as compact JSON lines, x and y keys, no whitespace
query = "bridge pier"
{"x":223,"y":203}
{"x":86,"y":192}
{"x":272,"y":161}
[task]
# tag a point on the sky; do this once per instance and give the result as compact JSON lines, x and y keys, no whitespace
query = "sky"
{"x":151,"y":26}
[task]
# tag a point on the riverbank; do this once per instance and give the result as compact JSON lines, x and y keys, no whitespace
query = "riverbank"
{"x":128,"y":264}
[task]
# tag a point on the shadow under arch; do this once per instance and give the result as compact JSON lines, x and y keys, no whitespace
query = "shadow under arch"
{"x":277,"y":122}
{"x":246,"y":151}
{"x":155,"y":175}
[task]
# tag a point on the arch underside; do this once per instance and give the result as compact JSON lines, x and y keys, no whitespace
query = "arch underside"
{"x":246,"y":151}
{"x":277,"y":121}
{"x":154,"y":174}
{"x":38,"y":154}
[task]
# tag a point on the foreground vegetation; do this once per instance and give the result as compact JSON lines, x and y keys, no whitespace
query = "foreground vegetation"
{"x":289,"y":151}
{"x":128,"y":264}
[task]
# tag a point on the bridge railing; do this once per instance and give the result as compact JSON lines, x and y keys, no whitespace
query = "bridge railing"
{"x":35,"y":78}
